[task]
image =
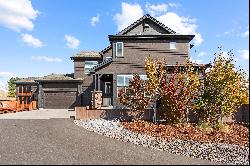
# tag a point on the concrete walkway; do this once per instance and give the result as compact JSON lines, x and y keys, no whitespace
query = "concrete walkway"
{"x":39,"y":114}
{"x":60,"y":141}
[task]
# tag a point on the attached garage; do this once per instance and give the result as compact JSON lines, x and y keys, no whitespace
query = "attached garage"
{"x":59,"y":92}
{"x":59,"y":100}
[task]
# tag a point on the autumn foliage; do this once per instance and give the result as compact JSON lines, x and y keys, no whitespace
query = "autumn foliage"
{"x":187,"y":88}
{"x":134,"y":95}
{"x":179,"y":91}
{"x":224,"y":89}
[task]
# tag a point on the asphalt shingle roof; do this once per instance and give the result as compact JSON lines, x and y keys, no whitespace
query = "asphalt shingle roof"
{"x":87,"y":54}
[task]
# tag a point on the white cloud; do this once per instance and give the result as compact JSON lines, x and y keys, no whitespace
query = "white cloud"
{"x":3,"y":88}
{"x":31,"y":41}
{"x":182,"y":25}
{"x":173,"y":4}
{"x":156,"y":9}
{"x":17,"y":14}
{"x":246,"y":33}
{"x":72,"y":42}
{"x":236,"y":31}
{"x":6,"y":74}
{"x":244,"y":54}
{"x":94,"y":20}
{"x":129,"y":14}
{"x":46,"y":59}
{"x":202,"y":53}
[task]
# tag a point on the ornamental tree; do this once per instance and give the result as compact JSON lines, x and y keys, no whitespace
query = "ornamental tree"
{"x":134,"y":95}
{"x":224,"y":89}
{"x":156,"y":73}
{"x":175,"y":91}
{"x":179,"y":91}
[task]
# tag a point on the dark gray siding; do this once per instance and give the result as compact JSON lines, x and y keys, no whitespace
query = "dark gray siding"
{"x":136,"y":51}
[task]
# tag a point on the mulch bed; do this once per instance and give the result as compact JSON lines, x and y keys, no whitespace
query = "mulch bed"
{"x":238,"y":134}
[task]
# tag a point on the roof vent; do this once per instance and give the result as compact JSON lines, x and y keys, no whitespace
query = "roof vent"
{"x":146,"y":25}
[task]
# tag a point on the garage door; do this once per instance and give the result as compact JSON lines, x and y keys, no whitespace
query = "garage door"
{"x":59,"y":100}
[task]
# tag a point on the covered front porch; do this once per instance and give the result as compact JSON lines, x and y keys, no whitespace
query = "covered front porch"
{"x":103,"y":94}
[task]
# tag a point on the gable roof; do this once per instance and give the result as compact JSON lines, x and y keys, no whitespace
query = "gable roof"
{"x":127,"y":29}
{"x":147,"y":16}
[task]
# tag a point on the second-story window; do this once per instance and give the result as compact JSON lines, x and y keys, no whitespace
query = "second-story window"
{"x":119,"y":49}
{"x":172,"y":45}
{"x":89,"y":65}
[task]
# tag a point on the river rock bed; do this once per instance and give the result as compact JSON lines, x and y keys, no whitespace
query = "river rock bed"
{"x":218,"y":152}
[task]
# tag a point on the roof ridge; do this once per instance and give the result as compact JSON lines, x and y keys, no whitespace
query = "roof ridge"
{"x":142,"y":18}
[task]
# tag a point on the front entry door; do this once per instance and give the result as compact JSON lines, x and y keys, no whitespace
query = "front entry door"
{"x":107,"y":96}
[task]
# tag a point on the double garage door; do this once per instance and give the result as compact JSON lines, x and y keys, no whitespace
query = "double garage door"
{"x":59,"y":100}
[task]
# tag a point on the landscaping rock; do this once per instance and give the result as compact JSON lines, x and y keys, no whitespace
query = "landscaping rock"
{"x":218,"y":152}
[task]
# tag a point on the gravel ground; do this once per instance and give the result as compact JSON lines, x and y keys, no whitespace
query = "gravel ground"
{"x":218,"y":152}
{"x":60,"y":141}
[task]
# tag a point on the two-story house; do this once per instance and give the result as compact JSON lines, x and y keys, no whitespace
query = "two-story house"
{"x":110,"y":70}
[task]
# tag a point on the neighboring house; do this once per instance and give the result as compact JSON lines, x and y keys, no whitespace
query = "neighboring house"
{"x":110,"y":70}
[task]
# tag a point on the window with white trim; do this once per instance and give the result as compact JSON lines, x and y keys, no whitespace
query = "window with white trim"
{"x":123,"y":80}
{"x":119,"y":49}
{"x":88,"y":65}
{"x":172,"y":45}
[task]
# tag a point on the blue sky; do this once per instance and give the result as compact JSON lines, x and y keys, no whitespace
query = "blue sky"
{"x":38,"y":37}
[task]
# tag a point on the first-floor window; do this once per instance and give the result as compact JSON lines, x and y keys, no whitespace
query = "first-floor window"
{"x":88,"y":65}
{"x":123,"y":81}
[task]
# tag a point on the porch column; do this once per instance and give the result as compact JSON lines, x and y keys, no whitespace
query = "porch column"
{"x":98,"y":82}
{"x":114,"y":90}
{"x":95,"y":81}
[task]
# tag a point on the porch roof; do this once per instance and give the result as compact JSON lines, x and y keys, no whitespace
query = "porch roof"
{"x":100,"y":65}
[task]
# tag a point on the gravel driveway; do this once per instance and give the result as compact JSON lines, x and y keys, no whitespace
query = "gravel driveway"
{"x":60,"y":141}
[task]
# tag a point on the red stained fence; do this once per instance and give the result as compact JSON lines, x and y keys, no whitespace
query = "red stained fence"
{"x":122,"y":114}
{"x":125,"y":114}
